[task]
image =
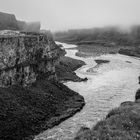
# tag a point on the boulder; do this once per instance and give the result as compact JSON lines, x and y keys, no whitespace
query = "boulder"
{"x":137,"y":96}
{"x":84,"y":79}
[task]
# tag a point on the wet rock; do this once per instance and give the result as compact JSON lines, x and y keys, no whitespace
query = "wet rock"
{"x":100,"y":61}
{"x":84,"y":79}
{"x":66,"y":67}
{"x":137,"y":96}
{"x":128,"y":62}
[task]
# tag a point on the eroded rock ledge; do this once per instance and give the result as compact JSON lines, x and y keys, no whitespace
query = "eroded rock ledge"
{"x":24,"y":56}
{"x":121,"y":123}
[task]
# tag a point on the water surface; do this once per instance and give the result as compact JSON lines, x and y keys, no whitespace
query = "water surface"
{"x":108,"y":85}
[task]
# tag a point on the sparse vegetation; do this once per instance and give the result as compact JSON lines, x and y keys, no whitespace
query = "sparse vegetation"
{"x":27,"y":111}
{"x":65,"y":69}
{"x":122,"y":123}
{"x":109,"y":36}
{"x":97,"y":41}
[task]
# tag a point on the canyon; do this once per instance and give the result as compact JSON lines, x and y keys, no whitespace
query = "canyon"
{"x":32,"y":97}
{"x":24,"y":56}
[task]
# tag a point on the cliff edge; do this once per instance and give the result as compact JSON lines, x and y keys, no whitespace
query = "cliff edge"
{"x":9,"y":22}
{"x":31,"y":97}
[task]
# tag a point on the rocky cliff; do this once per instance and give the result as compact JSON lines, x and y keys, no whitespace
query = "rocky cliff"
{"x":8,"y":22}
{"x":25,"y":56}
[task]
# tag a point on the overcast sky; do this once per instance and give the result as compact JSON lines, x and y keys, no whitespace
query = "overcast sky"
{"x":67,"y":14}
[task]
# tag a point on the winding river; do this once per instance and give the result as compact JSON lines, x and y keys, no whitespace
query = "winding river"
{"x":108,"y":85}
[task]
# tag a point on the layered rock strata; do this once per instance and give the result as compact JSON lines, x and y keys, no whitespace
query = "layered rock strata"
{"x":25,"y":56}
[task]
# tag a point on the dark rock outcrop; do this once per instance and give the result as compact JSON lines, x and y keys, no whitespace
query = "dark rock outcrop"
{"x":9,"y":22}
{"x":137,"y":96}
{"x":31,"y":98}
{"x":100,"y":61}
{"x":66,"y":67}
{"x":25,"y":56}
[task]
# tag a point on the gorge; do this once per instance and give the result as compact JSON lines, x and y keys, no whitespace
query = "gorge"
{"x":39,"y":86}
{"x":108,"y":85}
{"x":32,"y":99}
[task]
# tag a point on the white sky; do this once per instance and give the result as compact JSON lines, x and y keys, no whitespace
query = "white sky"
{"x":67,"y":14}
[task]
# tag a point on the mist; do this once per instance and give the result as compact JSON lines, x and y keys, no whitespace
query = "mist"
{"x":61,"y":15}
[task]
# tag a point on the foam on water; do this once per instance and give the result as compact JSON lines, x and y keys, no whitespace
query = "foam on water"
{"x":108,"y":86}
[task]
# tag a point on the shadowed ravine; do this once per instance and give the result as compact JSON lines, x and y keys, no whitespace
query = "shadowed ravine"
{"x":109,"y":84}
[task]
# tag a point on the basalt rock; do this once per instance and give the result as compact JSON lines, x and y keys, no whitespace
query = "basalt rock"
{"x":137,"y":96}
{"x":25,"y":56}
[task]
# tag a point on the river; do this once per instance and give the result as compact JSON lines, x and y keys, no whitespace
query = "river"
{"x":108,"y":85}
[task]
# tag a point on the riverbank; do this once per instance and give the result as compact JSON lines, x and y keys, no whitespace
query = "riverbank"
{"x":121,"y":123}
{"x":66,"y":67}
{"x":130,"y":52}
{"x":91,"y":49}
{"x":25,"y":112}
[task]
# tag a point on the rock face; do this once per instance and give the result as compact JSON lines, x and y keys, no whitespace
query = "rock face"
{"x":25,"y":56}
{"x":8,"y":22}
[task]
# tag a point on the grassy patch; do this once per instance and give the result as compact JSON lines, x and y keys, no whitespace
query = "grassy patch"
{"x":27,"y":111}
{"x":121,"y":123}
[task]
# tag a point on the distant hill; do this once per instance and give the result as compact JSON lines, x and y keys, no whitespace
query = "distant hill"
{"x":106,"y":36}
{"x":9,"y":22}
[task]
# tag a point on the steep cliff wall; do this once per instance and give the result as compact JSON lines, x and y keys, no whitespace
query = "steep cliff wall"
{"x":24,"y":57}
{"x":8,"y":22}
